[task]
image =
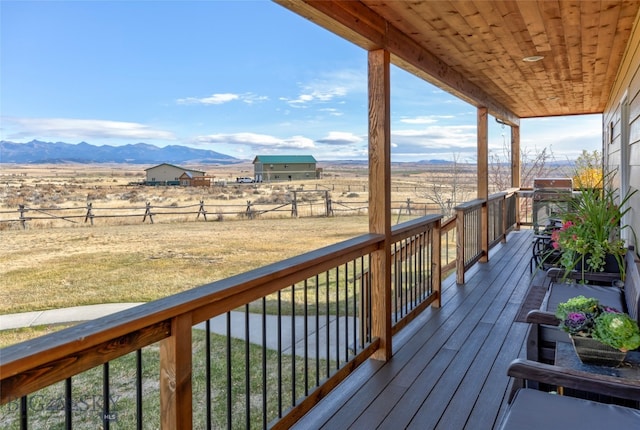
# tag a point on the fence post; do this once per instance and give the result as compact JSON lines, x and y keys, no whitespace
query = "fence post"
{"x":409,"y":206}
{"x":202,"y":211}
{"x":294,"y":205}
{"x":89,"y":215}
{"x":148,"y":212}
{"x":327,"y":200}
{"x":23,"y":220}
{"x":248,"y":211}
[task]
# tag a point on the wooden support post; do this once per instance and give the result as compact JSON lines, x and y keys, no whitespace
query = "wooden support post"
{"x":380,"y":197}
{"x":175,"y":376}
{"x":483,"y":178}
{"x":516,"y":167}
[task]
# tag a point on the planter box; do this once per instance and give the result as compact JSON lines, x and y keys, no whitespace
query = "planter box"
{"x":592,"y":351}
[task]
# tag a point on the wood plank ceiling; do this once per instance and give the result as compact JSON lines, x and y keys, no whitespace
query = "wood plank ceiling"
{"x":475,"y":48}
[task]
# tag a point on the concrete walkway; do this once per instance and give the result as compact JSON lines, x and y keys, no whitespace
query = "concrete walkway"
{"x":290,"y":327}
{"x":61,"y":316}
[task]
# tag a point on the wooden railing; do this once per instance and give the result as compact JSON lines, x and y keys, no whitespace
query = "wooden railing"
{"x":162,"y":364}
{"x":289,"y":333}
{"x":474,"y":236}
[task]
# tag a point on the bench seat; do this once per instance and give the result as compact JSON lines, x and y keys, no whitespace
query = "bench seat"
{"x":535,"y":410}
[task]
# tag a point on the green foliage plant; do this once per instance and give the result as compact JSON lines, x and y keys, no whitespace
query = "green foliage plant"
{"x":591,"y":229}
{"x":586,"y":317}
{"x":617,"y":330}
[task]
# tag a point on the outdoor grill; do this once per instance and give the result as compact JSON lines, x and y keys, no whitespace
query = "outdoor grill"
{"x":551,"y":197}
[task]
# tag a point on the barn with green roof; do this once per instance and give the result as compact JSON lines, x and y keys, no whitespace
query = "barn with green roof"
{"x":275,"y":168}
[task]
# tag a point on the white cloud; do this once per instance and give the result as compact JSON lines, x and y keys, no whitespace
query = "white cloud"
{"x":257,"y":141}
{"x":340,"y":138}
{"x":331,"y":86}
{"x":250,"y":98}
{"x":83,"y":129}
{"x":213,"y":99}
{"x":431,"y":119}
{"x":436,"y":138}
{"x":222,"y":98}
{"x":321,"y":95}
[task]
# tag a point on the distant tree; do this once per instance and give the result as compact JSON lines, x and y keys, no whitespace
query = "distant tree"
{"x":588,"y":169}
{"x":534,"y":163}
{"x":449,"y":191}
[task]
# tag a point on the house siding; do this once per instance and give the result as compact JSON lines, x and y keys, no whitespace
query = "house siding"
{"x":617,"y":158}
{"x":284,"y":168}
{"x":168,"y":174}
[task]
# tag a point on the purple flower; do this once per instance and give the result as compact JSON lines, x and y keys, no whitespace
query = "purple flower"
{"x":576,"y":317}
{"x":577,"y":322}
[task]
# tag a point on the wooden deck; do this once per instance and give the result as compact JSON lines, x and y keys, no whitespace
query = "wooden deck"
{"x":449,"y":366}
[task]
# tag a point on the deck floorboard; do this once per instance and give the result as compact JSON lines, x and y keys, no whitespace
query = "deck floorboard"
{"x":449,"y":365}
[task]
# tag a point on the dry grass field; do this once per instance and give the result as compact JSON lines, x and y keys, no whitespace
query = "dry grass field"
{"x":56,"y":263}
{"x":53,"y":263}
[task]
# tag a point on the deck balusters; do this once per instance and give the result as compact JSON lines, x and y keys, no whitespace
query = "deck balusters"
{"x":106,"y":417}
{"x":264,"y":363}
{"x":207,"y":373}
{"x":336,"y":320}
{"x":229,"y":379}
{"x":306,"y":338}
{"x":68,"y":404}
{"x":279,"y":352}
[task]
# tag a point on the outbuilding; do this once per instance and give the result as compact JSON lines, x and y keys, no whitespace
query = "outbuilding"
{"x":271,"y":168}
{"x":168,"y":174}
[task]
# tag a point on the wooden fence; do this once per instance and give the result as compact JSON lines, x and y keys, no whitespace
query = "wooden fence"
{"x":201,"y":211}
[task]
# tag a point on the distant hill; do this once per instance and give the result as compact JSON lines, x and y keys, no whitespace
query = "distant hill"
{"x":37,"y":152}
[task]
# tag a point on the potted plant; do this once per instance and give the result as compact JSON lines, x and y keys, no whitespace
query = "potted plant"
{"x":589,"y":237}
{"x":600,"y":334}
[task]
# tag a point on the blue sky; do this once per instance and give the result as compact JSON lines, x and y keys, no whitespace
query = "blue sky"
{"x":238,"y":77}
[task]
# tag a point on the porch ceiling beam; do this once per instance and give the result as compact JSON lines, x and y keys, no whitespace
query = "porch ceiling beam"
{"x":362,"y":26}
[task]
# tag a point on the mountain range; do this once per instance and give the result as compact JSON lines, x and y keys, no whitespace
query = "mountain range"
{"x":37,"y":152}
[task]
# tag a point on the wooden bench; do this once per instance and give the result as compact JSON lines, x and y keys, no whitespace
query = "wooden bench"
{"x":609,"y":290}
{"x":533,"y":409}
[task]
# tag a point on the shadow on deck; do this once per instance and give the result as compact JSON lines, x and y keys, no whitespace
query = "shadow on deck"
{"x":449,"y":369}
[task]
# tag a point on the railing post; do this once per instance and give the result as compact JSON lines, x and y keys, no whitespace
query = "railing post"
{"x":175,"y":376}
{"x":460,"y":246}
{"x":436,"y":263}
{"x":505,"y":217}
{"x":484,"y":228}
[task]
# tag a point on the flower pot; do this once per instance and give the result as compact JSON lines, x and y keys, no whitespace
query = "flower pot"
{"x":592,"y":351}
{"x":610,"y":264}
